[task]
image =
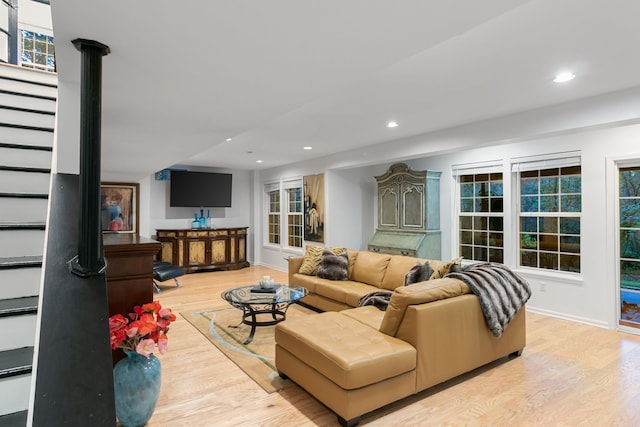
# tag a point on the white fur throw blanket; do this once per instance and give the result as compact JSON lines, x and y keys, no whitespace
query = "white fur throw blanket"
{"x":501,"y":292}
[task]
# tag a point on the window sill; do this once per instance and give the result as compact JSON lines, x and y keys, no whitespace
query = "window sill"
{"x":554,"y":276}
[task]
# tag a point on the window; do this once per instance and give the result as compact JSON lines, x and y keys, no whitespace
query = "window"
{"x":550,"y":199}
{"x":481,"y":221}
{"x":629,"y":255}
{"x":37,"y":51}
{"x":272,"y":192}
{"x":294,"y":214}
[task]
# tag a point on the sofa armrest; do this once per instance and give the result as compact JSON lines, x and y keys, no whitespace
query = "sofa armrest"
{"x":419,"y":293}
{"x":294,"y":264}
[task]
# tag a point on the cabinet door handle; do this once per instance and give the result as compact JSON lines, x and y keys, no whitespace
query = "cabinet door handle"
{"x":405,"y":253}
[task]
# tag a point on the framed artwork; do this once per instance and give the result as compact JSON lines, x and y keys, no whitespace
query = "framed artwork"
{"x":313,"y":186}
{"x":119,"y":207}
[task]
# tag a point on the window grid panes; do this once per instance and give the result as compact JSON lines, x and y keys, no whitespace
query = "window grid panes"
{"x":481,"y":221}
{"x":550,"y":206}
{"x":629,"y":214}
{"x":37,"y":51}
{"x":274,"y":217}
{"x":294,"y":217}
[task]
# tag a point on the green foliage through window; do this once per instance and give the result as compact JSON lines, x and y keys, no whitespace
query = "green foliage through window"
{"x":550,"y":206}
{"x":481,"y":220}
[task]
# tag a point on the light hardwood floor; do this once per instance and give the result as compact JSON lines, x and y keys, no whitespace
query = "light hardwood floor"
{"x":570,"y":374}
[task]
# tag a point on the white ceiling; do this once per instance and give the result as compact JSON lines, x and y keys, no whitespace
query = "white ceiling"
{"x":278,"y":75}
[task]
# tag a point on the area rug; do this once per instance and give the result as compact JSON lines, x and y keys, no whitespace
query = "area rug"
{"x":223,"y":328}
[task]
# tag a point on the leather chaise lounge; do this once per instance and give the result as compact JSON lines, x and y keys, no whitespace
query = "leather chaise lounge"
{"x":359,"y":359}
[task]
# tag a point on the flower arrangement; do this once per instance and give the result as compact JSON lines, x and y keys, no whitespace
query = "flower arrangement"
{"x":147,"y":328}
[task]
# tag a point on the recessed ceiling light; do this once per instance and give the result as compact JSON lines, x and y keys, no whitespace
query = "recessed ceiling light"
{"x":259,"y":161}
{"x":308,"y":148}
{"x":392,"y":124}
{"x":564,"y":77}
{"x":229,"y":139}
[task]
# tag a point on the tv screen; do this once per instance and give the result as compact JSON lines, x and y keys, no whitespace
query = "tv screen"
{"x":195,"y":189}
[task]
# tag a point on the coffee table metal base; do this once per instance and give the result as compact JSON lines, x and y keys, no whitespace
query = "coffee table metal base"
{"x":250,"y":312}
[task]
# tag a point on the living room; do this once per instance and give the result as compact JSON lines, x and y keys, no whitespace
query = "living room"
{"x":464,"y":123}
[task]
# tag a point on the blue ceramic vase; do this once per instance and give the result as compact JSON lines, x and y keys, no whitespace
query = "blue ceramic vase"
{"x":136,"y":381}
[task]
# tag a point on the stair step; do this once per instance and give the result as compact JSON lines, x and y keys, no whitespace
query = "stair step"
{"x":25,"y":169}
{"x":13,"y":180}
{"x":25,"y":195}
{"x":25,"y":157}
{"x":26,"y":137}
{"x":17,"y":419}
{"x":16,"y":362}
{"x":18,"y":306}
{"x":25,"y":147}
{"x":27,"y":95}
{"x":22,"y":242}
{"x":20,"y":262}
{"x":27,"y":127}
{"x":23,"y":226}
{"x":24,"y":116}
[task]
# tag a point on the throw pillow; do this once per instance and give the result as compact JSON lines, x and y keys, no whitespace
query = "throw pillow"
{"x":445,"y":268}
{"x":418,"y":273}
{"x":312,"y":257}
{"x":333,"y":267}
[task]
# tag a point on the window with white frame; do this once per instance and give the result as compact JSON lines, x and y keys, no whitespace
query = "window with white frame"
{"x":37,"y":51}
{"x":272,"y":201}
{"x":480,"y":213}
{"x":550,"y":206}
{"x":293,"y":192}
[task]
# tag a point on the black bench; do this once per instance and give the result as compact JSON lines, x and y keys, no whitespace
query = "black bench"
{"x":164,"y":271}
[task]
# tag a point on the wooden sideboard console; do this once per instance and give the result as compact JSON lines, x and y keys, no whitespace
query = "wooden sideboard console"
{"x":204,"y":249}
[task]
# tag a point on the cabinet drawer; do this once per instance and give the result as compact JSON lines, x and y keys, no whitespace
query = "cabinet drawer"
{"x":215,"y":233}
{"x":166,"y":234}
{"x":392,"y":251}
{"x":197,"y":233}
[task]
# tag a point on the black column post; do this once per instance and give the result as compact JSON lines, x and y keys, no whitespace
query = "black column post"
{"x":90,"y":259}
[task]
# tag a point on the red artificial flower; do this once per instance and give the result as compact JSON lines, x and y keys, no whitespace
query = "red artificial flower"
{"x":147,"y":328}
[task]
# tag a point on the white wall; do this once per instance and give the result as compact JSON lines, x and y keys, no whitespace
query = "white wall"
{"x":35,"y":16}
{"x":160,"y":215}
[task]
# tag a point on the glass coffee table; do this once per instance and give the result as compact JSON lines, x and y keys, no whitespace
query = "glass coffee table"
{"x":255,"y":301}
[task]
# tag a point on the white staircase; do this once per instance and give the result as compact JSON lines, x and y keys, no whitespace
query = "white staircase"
{"x":27,"y":116}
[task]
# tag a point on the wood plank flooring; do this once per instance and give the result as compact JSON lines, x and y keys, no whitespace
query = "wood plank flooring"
{"x":570,"y":374}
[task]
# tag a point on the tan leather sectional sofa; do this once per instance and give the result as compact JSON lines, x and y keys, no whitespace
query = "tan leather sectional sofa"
{"x":355,"y":360}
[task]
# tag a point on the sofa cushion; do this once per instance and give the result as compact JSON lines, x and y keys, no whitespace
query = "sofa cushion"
{"x":333,"y":267}
{"x":312,"y":258}
{"x":396,"y":270}
{"x":345,"y":292}
{"x":364,"y":357}
{"x":419,"y":293}
{"x":445,"y":267}
{"x":370,"y":268}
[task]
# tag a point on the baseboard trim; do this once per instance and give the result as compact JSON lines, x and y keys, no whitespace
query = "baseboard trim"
{"x":564,"y":316}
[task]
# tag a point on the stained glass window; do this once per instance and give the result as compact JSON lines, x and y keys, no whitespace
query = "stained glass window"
{"x":550,"y":206}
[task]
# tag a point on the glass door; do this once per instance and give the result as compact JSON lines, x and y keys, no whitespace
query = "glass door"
{"x":629,"y":245}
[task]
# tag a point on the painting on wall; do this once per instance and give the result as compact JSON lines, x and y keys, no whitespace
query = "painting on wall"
{"x":119,"y":207}
{"x":314,"y":207}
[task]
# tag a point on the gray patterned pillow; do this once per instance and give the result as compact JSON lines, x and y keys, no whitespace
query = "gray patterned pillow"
{"x":418,"y":273}
{"x":333,"y":267}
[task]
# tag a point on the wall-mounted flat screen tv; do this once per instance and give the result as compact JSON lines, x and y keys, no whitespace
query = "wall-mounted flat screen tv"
{"x":196,"y":189}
